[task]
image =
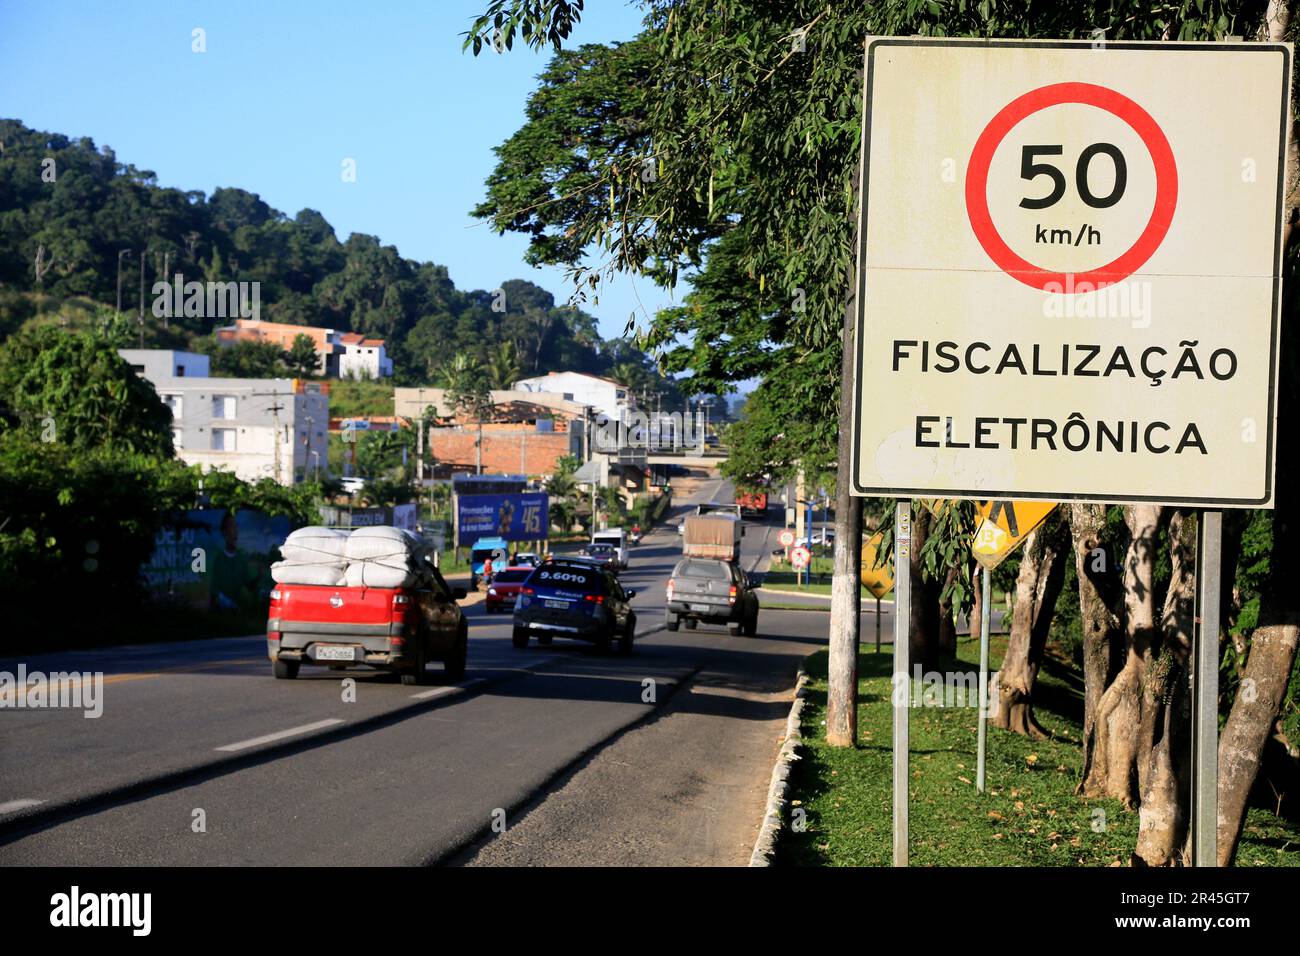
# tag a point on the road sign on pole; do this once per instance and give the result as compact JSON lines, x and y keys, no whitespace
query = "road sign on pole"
{"x":799,"y":557}
{"x":1072,"y":276}
{"x":1003,"y":526}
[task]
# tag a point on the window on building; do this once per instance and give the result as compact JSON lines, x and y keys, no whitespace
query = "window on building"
{"x":223,"y":406}
{"x":180,"y":371}
{"x":223,"y":439}
{"x":175,"y":403}
{"x":178,"y":439}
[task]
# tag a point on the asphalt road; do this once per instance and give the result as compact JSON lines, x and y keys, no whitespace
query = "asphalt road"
{"x":554,"y":755}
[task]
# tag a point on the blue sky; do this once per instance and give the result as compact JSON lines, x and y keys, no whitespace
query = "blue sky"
{"x":285,"y":92}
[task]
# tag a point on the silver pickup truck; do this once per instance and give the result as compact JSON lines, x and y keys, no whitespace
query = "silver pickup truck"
{"x":712,"y":591}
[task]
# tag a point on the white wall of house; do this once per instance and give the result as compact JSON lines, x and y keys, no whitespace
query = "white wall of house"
{"x":232,"y":424}
{"x":154,"y":364}
{"x":601,"y":394}
{"x":364,"y":361}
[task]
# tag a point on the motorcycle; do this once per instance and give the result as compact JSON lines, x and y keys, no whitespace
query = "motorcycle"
{"x":634,"y":535}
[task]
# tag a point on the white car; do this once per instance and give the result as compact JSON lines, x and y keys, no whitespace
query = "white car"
{"x":352,"y":484}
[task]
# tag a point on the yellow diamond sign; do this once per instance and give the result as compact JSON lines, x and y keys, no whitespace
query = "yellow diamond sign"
{"x":1003,"y":525}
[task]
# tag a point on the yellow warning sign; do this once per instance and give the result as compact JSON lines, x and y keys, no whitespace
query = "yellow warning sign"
{"x":879,"y":581}
{"x":1002,"y":525}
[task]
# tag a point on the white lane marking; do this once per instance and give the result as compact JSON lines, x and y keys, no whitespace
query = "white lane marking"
{"x":436,"y":692}
{"x":446,"y":691}
{"x":281,"y":735}
{"x":13,"y":805}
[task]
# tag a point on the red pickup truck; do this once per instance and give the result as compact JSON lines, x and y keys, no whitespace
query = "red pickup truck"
{"x":400,"y":629}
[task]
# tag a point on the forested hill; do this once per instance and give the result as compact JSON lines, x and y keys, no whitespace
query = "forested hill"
{"x":71,"y":229}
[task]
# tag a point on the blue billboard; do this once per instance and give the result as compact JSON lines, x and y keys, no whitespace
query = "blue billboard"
{"x":516,"y":517}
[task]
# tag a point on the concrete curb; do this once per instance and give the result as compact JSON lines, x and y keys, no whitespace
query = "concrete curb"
{"x":778,"y":790}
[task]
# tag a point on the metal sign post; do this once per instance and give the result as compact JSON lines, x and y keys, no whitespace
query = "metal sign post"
{"x":1205,"y":691}
{"x":877,"y":625}
{"x":986,"y":593}
{"x":902,"y":670}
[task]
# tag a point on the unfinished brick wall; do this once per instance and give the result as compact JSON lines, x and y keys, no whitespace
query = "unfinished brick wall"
{"x":501,"y":449}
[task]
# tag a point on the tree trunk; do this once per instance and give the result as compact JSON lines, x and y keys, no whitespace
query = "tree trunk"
{"x":1164,"y":814}
{"x":846,"y":590}
{"x":1038,"y":585}
{"x":1098,"y":596}
{"x":1115,"y":752}
{"x":923,"y":629}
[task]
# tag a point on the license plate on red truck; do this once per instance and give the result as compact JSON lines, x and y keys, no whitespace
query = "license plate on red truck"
{"x":335,"y":653}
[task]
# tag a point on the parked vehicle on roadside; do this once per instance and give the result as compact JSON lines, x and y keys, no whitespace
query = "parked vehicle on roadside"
{"x":399,"y":629}
{"x":504,"y":589}
{"x":576,"y":599}
{"x":712,"y":591}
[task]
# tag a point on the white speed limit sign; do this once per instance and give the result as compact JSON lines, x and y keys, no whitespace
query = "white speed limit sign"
{"x":1071,"y":270}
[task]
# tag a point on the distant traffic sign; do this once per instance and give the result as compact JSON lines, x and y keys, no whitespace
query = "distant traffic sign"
{"x":799,"y":557}
{"x":786,"y":538}
{"x":1072,"y":276}
{"x":878,"y":580}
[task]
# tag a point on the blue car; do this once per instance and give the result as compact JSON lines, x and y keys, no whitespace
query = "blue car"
{"x":575,"y":598}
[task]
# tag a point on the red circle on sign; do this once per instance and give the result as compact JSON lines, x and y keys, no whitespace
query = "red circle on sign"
{"x":800,"y":557}
{"x":977,"y":176}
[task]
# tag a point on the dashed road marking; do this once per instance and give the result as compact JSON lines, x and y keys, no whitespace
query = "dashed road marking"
{"x":280,"y":735}
{"x":15,"y":805}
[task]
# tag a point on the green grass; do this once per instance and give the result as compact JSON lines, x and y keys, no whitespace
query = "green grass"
{"x":1029,"y":816}
{"x":357,"y":399}
{"x":816,"y":578}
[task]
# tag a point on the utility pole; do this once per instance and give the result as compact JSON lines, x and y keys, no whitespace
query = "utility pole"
{"x":120,"y":254}
{"x":275,"y":408}
{"x":167,"y":261}
{"x":142,"y":255}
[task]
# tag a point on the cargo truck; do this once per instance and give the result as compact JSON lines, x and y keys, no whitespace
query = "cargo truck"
{"x":711,"y":536}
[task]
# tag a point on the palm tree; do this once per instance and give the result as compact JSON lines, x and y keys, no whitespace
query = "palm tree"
{"x":503,"y":365}
{"x":468,"y":393}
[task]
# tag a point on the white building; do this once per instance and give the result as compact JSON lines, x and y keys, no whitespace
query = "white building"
{"x":255,"y":427}
{"x":361,"y":358}
{"x":154,"y":364}
{"x":604,"y":395}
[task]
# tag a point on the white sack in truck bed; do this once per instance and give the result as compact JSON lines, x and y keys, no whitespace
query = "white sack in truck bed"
{"x":382,"y":557}
{"x":315,"y":545}
{"x":711,"y":536}
{"x":288,"y":572}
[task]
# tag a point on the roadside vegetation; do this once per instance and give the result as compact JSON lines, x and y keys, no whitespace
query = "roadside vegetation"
{"x":1030,"y":814}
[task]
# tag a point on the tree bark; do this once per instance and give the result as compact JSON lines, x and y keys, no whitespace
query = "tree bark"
{"x":923,"y":626}
{"x":846,"y":590}
{"x":1038,"y":585}
{"x":1115,"y":753}
{"x":1164,"y":814}
{"x":1098,"y":596}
